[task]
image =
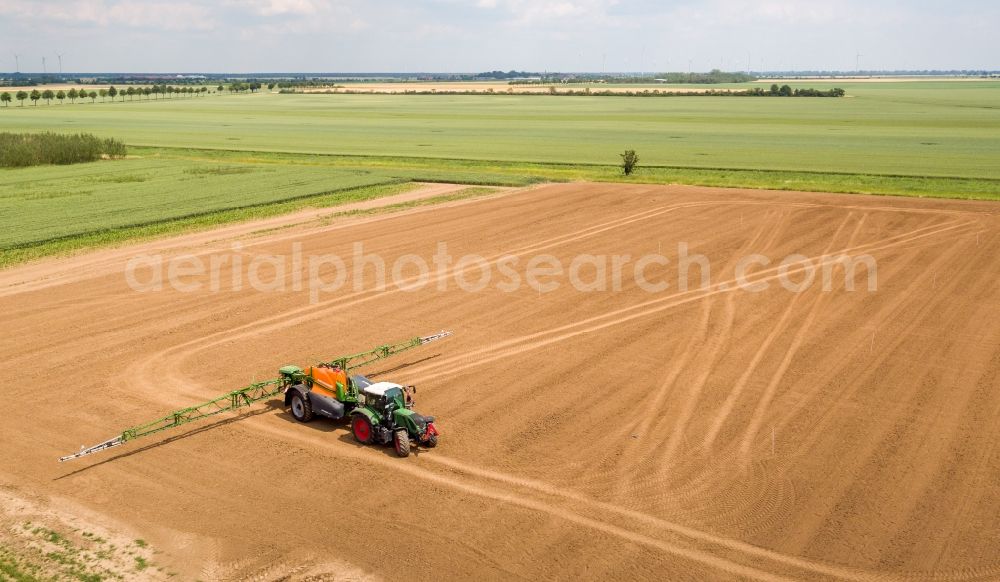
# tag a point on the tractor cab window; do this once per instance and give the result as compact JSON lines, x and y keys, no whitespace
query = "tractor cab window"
{"x":373,"y":400}
{"x":392,"y":394}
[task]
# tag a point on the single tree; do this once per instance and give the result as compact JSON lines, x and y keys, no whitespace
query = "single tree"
{"x":35,"y":96}
{"x":48,"y":95}
{"x":270,"y":86}
{"x":21,"y":96}
{"x":146,"y":91}
{"x":785,"y":91}
{"x":72,"y":94}
{"x":219,"y":88}
{"x":112,"y":92}
{"x":775,"y":89}
{"x":103,"y":93}
{"x":60,"y":96}
{"x":5,"y":97}
{"x":93,"y":96}
{"x":131,"y":93}
{"x":629,"y":161}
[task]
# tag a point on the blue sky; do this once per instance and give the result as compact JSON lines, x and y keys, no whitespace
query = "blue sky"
{"x":477,"y":35}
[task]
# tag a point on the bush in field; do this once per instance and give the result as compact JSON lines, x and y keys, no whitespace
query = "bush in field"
{"x":629,"y":160}
{"x":34,"y":149}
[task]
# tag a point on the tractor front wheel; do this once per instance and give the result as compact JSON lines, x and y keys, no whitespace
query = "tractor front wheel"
{"x":362,"y":429}
{"x":402,"y":443}
{"x":432,"y":441}
{"x":301,"y":407}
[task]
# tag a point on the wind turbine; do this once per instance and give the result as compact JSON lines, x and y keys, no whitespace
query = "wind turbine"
{"x":857,"y":63}
{"x":44,"y":70}
{"x":60,"y":63}
{"x":17,"y":63}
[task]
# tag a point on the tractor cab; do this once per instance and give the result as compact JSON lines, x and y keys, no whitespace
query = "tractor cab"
{"x":383,"y":396}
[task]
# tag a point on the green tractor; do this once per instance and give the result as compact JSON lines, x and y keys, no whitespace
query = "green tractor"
{"x":387,"y":416}
{"x":380,"y":412}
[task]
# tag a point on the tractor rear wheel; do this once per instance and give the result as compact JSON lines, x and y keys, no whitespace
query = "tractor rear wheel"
{"x":302,"y":409}
{"x":362,"y":429}
{"x":402,"y":443}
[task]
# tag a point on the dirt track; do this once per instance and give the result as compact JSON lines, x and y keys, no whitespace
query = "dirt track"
{"x":709,"y":434}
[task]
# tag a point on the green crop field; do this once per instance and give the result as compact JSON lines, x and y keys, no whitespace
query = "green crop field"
{"x":920,"y":128}
{"x":222,"y":153}
{"x":49,"y":202}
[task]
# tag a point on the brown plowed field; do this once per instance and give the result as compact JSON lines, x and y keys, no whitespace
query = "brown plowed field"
{"x":709,"y":434}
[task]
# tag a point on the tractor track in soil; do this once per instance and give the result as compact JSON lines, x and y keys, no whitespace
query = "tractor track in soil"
{"x":586,"y":434}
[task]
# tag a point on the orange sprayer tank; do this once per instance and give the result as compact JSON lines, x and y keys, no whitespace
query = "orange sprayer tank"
{"x":328,"y":381}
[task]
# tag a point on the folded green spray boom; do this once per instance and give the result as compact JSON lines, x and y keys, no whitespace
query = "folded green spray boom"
{"x":247,"y":395}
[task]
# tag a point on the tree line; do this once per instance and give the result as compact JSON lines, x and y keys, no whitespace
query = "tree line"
{"x":19,"y":150}
{"x":239,"y":87}
{"x":130,"y":93}
{"x":775,"y":91}
{"x":713,"y":77}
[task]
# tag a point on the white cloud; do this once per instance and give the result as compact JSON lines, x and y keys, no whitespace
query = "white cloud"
{"x":542,"y":12}
{"x":172,"y":16}
{"x":164,"y":16}
{"x":276,"y":7}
